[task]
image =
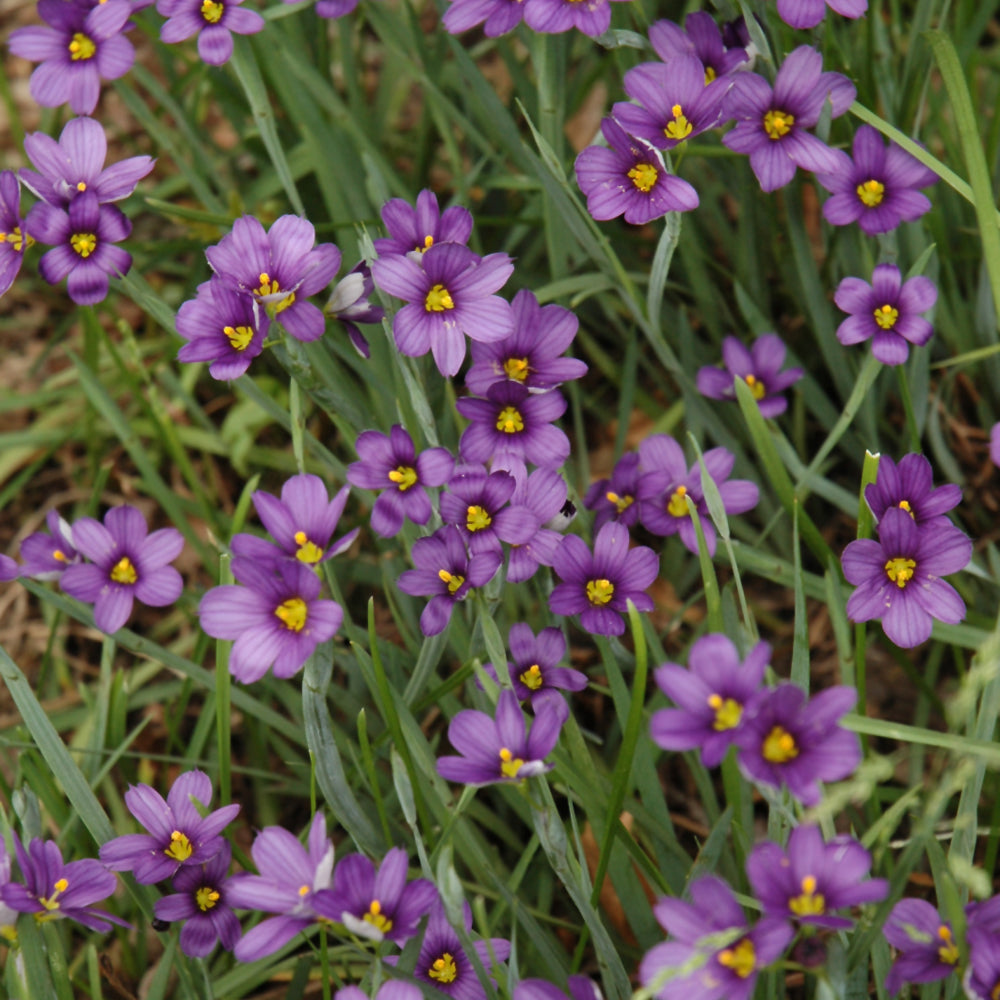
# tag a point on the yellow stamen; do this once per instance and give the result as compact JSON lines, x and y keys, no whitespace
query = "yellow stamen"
{"x":180,"y":848}
{"x":757,"y":387}
{"x":52,"y":902}
{"x":678,"y":503}
{"x":81,"y":47}
{"x":309,"y":552}
{"x":811,"y":903}
{"x":680,"y":127}
{"x":599,"y":592}
{"x":871,"y":192}
{"x":509,"y":764}
{"x":206,"y":897}
{"x":510,"y":421}
{"x":905,"y":505}
{"x":16,"y":240}
{"x":476,"y":518}
{"x":123,"y":571}
{"x":516,"y":368}
{"x":900,"y":570}
{"x":239,"y":336}
{"x":404,"y":476}
{"x":621,"y":502}
{"x":304,"y":891}
{"x":81,"y":185}
{"x":443,"y":969}
{"x":948,"y":952}
{"x":741,"y":958}
{"x":83,"y":243}
{"x":532,"y":677}
{"x":728,"y":712}
{"x":778,"y":124}
{"x":211,"y":11}
{"x":292,"y":613}
{"x":710,"y":74}
{"x":428,"y":243}
{"x":438,"y":300}
{"x":59,"y":556}
{"x":453,"y":580}
{"x":643,"y":176}
{"x":779,"y":746}
{"x":377,"y":918}
{"x":886,"y":316}
{"x":269,"y":286}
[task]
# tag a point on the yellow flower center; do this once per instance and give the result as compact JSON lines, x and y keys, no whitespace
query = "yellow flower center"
{"x":757,"y":388}
{"x":180,"y":848}
{"x":516,"y":368}
{"x":905,"y":505}
{"x":811,"y":903}
{"x":443,"y":969}
{"x":438,"y":299}
{"x":206,"y":897}
{"x":900,"y":571}
{"x":779,"y":746}
{"x":599,"y":592}
{"x":510,"y":421}
{"x":404,"y":476}
{"x":83,"y":243}
{"x":292,"y":613}
{"x":123,"y":571}
{"x":678,"y":502}
{"x":211,"y":11}
{"x":308,"y":552}
{"x":239,"y":336}
{"x":728,"y":712}
{"x":741,"y":958}
{"x":948,"y":952}
{"x":532,"y":677}
{"x":871,"y":192}
{"x":377,"y":918}
{"x":621,"y":502}
{"x":476,"y":518}
{"x":886,"y":316}
{"x":81,"y":185}
{"x":453,"y":580}
{"x":428,"y":243}
{"x":81,"y":47}
{"x":268,"y":286}
{"x":16,"y":239}
{"x":778,"y":124}
{"x":509,"y":764}
{"x":52,"y":902}
{"x":710,"y":74}
{"x":680,"y":127}
{"x":643,"y":176}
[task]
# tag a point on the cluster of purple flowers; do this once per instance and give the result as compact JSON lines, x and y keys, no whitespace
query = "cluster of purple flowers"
{"x":109,"y":564}
{"x":898,"y":576}
{"x":782,"y":737}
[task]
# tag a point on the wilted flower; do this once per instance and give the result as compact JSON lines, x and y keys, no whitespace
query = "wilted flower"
{"x":349,"y":304}
{"x":759,"y":366}
{"x":212,"y":21}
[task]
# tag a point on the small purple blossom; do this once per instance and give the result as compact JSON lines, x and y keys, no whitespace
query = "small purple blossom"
{"x":83,"y":241}
{"x":415,"y":229}
{"x":393,"y":989}
{"x":77,"y":50}
{"x":898,"y":577}
{"x":46,"y":555}
{"x":349,"y":304}
{"x":291,"y":876}
{"x":924,"y":942}
{"x":592,"y":17}
{"x":275,"y":617}
{"x":446,"y":573}
{"x":126,"y":563}
{"x":332,"y":8}
{"x":201,"y":902}
{"x":808,"y":13}
{"x":877,"y":188}
{"x":496,"y":16}
{"x":535,"y":669}
{"x":75,"y":163}
{"x":759,"y":366}
{"x":390,"y":463}
{"x":789,"y":739}
{"x":887,"y":312}
{"x":614,"y":499}
{"x":213,"y":21}
{"x":449,"y":296}
{"x":477,"y":504}
{"x":8,"y":915}
{"x":178,"y":833}
{"x":771,"y":123}
{"x":628,"y":177}
{"x":982,"y":977}
{"x":377,"y":905}
{"x":14,"y":236}
{"x":598,"y":586}
{"x":811,"y":879}
{"x":995,"y":444}
{"x":910,"y":486}
{"x":543,"y":495}
{"x":580,"y":988}
{"x":711,"y":694}
{"x":700,"y":37}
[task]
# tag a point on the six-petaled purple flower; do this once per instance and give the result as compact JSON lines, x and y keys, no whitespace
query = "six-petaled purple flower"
{"x":759,"y":366}
{"x":213,"y":21}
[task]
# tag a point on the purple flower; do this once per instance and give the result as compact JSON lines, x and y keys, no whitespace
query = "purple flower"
{"x":910,"y":486}
{"x":302,"y":522}
{"x":444,"y":963}
{"x":580,"y":988}
{"x":274,"y":617}
{"x":77,"y":50}
{"x":47,"y":554}
{"x":712,"y":694}
{"x":898,"y":577}
{"x":348,"y":304}
{"x":75,"y":164}
{"x":446,"y":574}
{"x":771,"y":123}
{"x":923,"y":939}
{"x":667,"y":483}
{"x":628,"y":178}
{"x":8,"y":916}
{"x":391,"y":464}
{"x":291,"y":876}
{"x":995,"y":444}
{"x":14,"y":236}
{"x":279,"y":268}
{"x":614,"y":499}
{"x":512,"y":427}
{"x":83,"y":239}
{"x":391,"y":990}
{"x":213,"y":21}
{"x":126,"y":564}
{"x":414,"y":230}
{"x":449,"y":296}
{"x":700,"y":37}
{"x":332,"y":8}
{"x":476,"y":503}
{"x":787,"y":738}
{"x":808,"y":13}
{"x":497,"y":16}
{"x":377,"y":905}
{"x":534,"y":669}
{"x":553,"y":16}
{"x":693,"y":965}
{"x":531,"y":354}
{"x":877,"y":189}
{"x":812,"y":879}
{"x":178,"y":832}
{"x":759,"y":367}
{"x":674,"y":102}
{"x":202,"y":903}
{"x":887,"y":310}
{"x":223,"y":327}
{"x":55,"y":890}
{"x":597,"y":586}
{"x":543,"y":495}
{"x":982,"y":977}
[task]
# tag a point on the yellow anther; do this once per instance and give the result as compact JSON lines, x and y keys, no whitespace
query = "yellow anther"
{"x":16,"y":240}
{"x":778,"y":124}
{"x":180,"y":848}
{"x":532,"y":677}
{"x":886,"y":316}
{"x":453,"y":580}
{"x":741,"y":958}
{"x":443,"y":969}
{"x":728,"y":712}
{"x":404,"y":476}
{"x":779,"y":746}
{"x":710,"y":74}
{"x":477,"y":518}
{"x":304,"y":890}
{"x":947,"y":952}
{"x":206,"y":897}
{"x":871,"y":192}
{"x":678,"y":502}
{"x":83,"y":243}
{"x":900,"y":570}
{"x":238,"y":336}
{"x":308,"y":552}
{"x":377,"y":918}
{"x":81,"y":47}
{"x":123,"y":571}
{"x":509,"y":764}
{"x":643,"y":176}
{"x":292,"y":613}
{"x":516,"y":368}
{"x":52,"y":902}
{"x":81,"y":185}
{"x":811,"y":903}
{"x":680,"y":127}
{"x":428,"y":243}
{"x":438,"y":299}
{"x":599,"y":592}
{"x":757,"y":388}
{"x":211,"y":11}
{"x":510,"y":421}
{"x":59,"y":556}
